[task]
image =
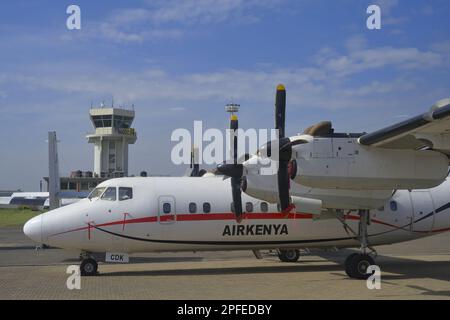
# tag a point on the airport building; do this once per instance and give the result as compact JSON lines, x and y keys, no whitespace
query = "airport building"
{"x":111,"y":137}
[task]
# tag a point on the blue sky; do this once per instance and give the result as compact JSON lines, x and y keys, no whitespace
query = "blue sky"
{"x":180,"y":61}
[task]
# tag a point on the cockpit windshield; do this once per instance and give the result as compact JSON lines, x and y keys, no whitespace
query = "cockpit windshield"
{"x":96,"y":193}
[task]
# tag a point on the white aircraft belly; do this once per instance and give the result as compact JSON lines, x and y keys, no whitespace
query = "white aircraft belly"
{"x":226,"y":234}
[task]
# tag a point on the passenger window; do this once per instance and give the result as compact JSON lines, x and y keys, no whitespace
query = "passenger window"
{"x":264,"y":207}
{"x":167,"y":208}
{"x":125,"y":193}
{"x":192,"y":207}
{"x":109,"y":194}
{"x":393,"y":205}
{"x":206,"y":207}
{"x":249,"y":207}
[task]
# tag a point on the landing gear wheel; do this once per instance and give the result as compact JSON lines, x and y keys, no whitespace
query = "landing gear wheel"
{"x":356,"y":266}
{"x":88,"y":267}
{"x":350,"y":257}
{"x":291,"y":255}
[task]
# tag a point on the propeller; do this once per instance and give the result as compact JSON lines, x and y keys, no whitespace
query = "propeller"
{"x":286,"y":168}
{"x":194,"y":167}
{"x":285,"y":150}
{"x":234,"y":171}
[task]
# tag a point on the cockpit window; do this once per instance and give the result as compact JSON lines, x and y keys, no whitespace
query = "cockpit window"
{"x":109,"y":194}
{"x":125,"y":193}
{"x":97,"y":192}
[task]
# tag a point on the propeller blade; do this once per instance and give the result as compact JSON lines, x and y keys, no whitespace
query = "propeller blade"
{"x":280,"y":110}
{"x":234,"y":170}
{"x":285,"y":151}
{"x":231,"y":170}
{"x":237,"y":197}
{"x":283,"y":185}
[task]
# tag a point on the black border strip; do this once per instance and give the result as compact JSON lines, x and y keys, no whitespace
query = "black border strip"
{"x":224,"y":242}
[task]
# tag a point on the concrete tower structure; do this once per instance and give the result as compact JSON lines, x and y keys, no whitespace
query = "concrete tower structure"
{"x":113,"y":134}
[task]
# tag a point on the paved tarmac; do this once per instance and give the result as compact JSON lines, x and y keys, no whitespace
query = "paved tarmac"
{"x":413,"y":270}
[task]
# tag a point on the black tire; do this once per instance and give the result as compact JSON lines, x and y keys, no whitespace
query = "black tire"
{"x":347,"y":260}
{"x":88,"y":267}
{"x":356,"y":266}
{"x":289,"y":255}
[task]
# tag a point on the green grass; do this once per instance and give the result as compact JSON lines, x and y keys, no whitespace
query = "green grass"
{"x":16,"y":217}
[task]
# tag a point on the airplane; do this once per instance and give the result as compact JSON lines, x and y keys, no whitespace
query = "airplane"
{"x":340,"y":190}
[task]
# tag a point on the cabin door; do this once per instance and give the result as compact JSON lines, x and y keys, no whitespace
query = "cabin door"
{"x":167,"y":210}
{"x":423,"y":210}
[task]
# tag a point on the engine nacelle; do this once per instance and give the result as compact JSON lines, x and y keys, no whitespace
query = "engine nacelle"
{"x":264,"y":187}
{"x":307,"y":205}
{"x":342,"y":163}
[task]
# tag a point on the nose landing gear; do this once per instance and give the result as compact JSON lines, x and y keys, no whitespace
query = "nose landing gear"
{"x":356,"y":265}
{"x":88,"y":266}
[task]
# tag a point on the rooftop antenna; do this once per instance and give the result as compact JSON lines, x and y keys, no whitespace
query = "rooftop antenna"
{"x":232,"y":108}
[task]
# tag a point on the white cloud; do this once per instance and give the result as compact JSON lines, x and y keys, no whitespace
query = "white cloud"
{"x":356,"y":42}
{"x":367,"y":59}
{"x":325,"y":84}
{"x":167,"y":19}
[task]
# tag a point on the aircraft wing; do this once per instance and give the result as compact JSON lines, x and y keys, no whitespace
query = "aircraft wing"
{"x":428,"y":130}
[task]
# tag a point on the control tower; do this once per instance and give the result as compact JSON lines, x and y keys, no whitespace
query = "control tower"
{"x":113,"y":134}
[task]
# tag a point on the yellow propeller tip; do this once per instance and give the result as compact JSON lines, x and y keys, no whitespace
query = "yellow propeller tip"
{"x":234,"y":117}
{"x":281,"y":87}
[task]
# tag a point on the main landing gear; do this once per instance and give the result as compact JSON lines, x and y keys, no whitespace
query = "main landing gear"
{"x":88,"y":266}
{"x":288,"y":255}
{"x":356,"y":264}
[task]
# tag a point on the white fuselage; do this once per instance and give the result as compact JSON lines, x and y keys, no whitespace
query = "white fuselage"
{"x":178,"y":214}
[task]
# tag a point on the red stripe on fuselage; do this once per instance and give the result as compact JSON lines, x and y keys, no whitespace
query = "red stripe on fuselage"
{"x":222,"y":217}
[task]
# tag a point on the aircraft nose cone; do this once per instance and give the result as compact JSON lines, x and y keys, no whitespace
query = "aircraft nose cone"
{"x":33,"y":229}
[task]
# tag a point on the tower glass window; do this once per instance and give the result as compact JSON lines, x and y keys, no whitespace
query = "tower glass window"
{"x":122,"y":122}
{"x":102,"y":121}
